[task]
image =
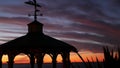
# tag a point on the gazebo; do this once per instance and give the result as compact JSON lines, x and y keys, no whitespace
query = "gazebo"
{"x":35,"y":44}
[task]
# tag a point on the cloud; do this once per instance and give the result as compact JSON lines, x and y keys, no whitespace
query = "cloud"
{"x":94,"y":21}
{"x":15,"y":20}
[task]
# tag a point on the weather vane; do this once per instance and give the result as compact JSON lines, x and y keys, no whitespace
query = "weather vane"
{"x":35,"y":4}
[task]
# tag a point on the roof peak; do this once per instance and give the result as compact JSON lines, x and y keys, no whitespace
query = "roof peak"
{"x":35,"y":22}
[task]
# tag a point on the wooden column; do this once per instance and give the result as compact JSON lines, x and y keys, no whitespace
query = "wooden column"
{"x":10,"y":61}
{"x":39,"y":59}
{"x":54,"y":60}
{"x":66,"y":60}
{"x":32,"y":60}
{"x":1,"y":60}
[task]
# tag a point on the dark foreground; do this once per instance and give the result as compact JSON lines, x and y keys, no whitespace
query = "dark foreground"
{"x":48,"y":65}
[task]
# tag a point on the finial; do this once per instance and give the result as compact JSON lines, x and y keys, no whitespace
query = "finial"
{"x":35,"y":4}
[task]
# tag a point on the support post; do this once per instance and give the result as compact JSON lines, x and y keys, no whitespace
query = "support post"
{"x":10,"y":61}
{"x":54,"y":60}
{"x":1,"y":61}
{"x":39,"y":60}
{"x":66,"y":60}
{"x":32,"y":60}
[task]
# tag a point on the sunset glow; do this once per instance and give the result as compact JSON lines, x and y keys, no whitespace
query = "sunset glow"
{"x":47,"y":59}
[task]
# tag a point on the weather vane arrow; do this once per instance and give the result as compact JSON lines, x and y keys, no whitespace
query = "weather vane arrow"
{"x":35,"y":4}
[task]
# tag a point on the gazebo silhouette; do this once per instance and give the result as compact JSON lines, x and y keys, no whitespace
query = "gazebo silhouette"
{"x":35,"y":44}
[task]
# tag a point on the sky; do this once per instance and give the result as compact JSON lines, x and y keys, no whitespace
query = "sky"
{"x":86,"y":24}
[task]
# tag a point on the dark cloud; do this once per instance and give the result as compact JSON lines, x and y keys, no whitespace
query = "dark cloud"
{"x":15,"y":20}
{"x":86,"y":24}
{"x":81,"y":46}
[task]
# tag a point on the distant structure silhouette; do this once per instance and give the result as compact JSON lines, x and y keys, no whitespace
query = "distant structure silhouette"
{"x":35,"y":44}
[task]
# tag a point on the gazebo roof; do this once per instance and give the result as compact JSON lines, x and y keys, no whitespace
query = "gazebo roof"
{"x":37,"y":41}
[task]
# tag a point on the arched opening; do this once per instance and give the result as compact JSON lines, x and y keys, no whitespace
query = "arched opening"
{"x":59,"y":58}
{"x":21,"y":60}
{"x":59,"y":61}
{"x":47,"y":60}
{"x":74,"y":58}
{"x":4,"y":61}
